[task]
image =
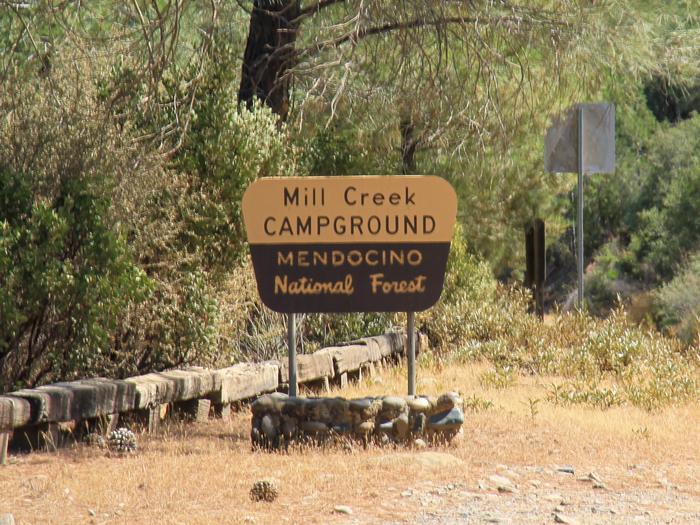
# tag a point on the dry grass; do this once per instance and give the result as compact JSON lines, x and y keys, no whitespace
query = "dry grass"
{"x":202,"y":473}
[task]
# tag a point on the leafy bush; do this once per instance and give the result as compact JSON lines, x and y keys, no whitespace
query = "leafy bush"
{"x":607,"y":361}
{"x":668,"y":220}
{"x":607,"y":281}
{"x":66,"y":273}
{"x":597,"y":355}
{"x":468,"y":291}
{"x":677,"y":303}
{"x":187,"y":229}
{"x":226,"y":148}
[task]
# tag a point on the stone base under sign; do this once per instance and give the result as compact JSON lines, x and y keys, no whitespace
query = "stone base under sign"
{"x":279,"y":420}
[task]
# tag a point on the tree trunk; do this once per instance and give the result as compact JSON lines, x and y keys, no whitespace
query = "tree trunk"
{"x":269,"y":54}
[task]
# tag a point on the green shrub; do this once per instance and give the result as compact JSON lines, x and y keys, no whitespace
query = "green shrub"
{"x":677,"y":303}
{"x":226,"y":148}
{"x":469,"y":289}
{"x":607,"y":361}
{"x":186,"y":226}
{"x":66,"y":273}
{"x":667,"y":224}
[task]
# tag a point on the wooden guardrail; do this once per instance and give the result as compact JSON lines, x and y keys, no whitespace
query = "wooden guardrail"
{"x":37,"y":417}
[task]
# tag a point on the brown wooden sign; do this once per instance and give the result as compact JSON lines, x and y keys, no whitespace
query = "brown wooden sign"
{"x":350,"y":244}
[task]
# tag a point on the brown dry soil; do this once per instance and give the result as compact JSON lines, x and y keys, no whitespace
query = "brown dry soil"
{"x":512,"y":464}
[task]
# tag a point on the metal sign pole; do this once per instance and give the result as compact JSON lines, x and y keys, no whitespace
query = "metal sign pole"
{"x":411,"y":357}
{"x":292,"y":351}
{"x":579,"y":204}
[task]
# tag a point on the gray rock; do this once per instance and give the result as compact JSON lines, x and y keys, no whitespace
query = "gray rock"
{"x":393,"y":403}
{"x":594,"y":477}
{"x":366,"y":427}
{"x":367,"y":407}
{"x":419,"y":443}
{"x":500,"y":480}
{"x":400,"y":426}
{"x":314,"y":427}
{"x":563,"y":518}
{"x":448,"y":401}
{"x":418,"y":404}
{"x":276,"y":416}
{"x":503,"y":484}
{"x":407,"y":494}
{"x":343,"y":428}
{"x":419,"y":423}
{"x":452,"y":419}
{"x":268,"y":426}
{"x":358,"y":405}
{"x":295,"y":407}
{"x":566,"y":469}
{"x":556,"y":497}
{"x":269,"y":403}
{"x":256,"y":436}
{"x":342,"y":509}
{"x":318,"y":410}
{"x":289,"y":426}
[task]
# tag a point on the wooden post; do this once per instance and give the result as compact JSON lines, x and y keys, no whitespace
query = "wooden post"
{"x":222,"y":410}
{"x":535,"y":264}
{"x":4,"y":442}
{"x":152,"y":417}
{"x":194,"y":409}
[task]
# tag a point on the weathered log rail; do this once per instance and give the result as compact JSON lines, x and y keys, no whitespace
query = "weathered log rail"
{"x":40,"y":417}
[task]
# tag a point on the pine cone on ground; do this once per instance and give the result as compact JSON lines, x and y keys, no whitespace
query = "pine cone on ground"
{"x":122,"y":440}
{"x":264,"y":490}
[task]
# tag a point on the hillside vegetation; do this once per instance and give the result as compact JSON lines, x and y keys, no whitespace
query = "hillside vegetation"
{"x":129,"y":132}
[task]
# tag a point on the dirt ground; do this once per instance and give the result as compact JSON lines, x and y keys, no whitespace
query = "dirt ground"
{"x":522,"y":460}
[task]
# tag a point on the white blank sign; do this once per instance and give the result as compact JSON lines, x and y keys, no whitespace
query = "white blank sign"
{"x":561,"y":140}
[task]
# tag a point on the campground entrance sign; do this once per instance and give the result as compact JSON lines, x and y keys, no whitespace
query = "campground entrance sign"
{"x":350,"y":244}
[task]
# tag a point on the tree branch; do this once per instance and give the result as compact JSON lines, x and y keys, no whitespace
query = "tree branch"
{"x":321,"y":4}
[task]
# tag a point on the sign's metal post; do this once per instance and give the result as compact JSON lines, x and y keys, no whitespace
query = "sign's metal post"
{"x":292,"y":350}
{"x":579,"y":205}
{"x":411,"y":357}
{"x":581,"y":140}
